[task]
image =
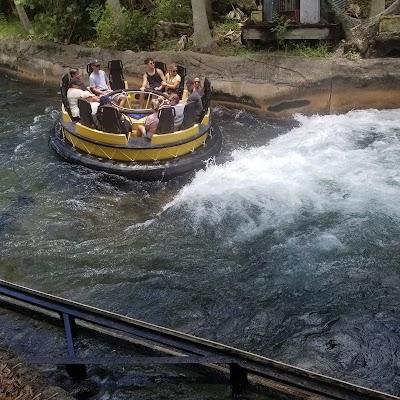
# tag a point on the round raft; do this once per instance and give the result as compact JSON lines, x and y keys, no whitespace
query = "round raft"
{"x":108,"y":145}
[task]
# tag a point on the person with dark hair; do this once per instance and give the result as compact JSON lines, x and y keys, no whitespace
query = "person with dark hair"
{"x":197,"y":86}
{"x":179,"y":107}
{"x":74,"y":73}
{"x":151,"y":122}
{"x":172,"y":79}
{"x":153,"y":78}
{"x":100,"y":85}
{"x":75,"y":92}
{"x":98,"y":80}
{"x":194,"y":96}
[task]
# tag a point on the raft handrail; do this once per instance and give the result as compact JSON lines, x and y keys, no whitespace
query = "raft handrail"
{"x":146,"y":110}
{"x":198,"y":350}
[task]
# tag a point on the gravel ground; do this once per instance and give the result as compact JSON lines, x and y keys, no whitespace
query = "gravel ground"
{"x":21,"y":381}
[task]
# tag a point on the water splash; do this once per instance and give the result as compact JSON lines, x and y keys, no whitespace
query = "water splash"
{"x":339,"y":164}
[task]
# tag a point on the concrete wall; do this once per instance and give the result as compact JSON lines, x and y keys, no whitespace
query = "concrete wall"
{"x":274,"y":86}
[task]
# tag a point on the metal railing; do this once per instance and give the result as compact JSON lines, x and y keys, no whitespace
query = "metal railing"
{"x":179,"y":347}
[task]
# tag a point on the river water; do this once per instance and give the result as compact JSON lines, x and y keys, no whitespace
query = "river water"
{"x":288,"y":246}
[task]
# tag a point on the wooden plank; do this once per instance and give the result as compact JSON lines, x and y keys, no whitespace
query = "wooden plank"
{"x":257,"y":34}
{"x":307,"y":34}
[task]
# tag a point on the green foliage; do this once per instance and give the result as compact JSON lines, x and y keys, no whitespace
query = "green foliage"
{"x":225,"y":27}
{"x":95,"y":13}
{"x":11,"y":27}
{"x":62,"y":20}
{"x":127,"y":30}
{"x":173,"y":11}
{"x":280,"y":27}
{"x":167,"y":44}
{"x":316,"y":50}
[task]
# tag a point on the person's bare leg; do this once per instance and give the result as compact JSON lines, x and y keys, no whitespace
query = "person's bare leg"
{"x":141,"y":130}
{"x":122,"y":100}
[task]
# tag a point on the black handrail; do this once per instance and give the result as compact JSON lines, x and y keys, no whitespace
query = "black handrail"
{"x":187,"y":348}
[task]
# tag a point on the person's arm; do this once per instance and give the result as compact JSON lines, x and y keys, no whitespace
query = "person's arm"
{"x":93,"y":98}
{"x":166,"y":79}
{"x":145,"y":83}
{"x":161,"y":75}
{"x":107,"y":81}
{"x":185,"y":95}
{"x":92,"y":86}
{"x":176,"y":82}
{"x":95,"y":91}
{"x":89,"y":96}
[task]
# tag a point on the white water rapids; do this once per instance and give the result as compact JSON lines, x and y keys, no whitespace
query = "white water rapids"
{"x":346,"y":164}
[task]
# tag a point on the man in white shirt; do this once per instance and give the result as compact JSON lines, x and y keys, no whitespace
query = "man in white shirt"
{"x":100,"y":84}
{"x":74,"y":93}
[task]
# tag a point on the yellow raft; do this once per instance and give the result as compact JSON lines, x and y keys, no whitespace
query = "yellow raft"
{"x":166,"y":155}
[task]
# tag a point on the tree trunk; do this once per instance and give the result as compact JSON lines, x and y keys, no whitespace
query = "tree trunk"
{"x":209,"y":12}
{"x":22,"y":16}
{"x":202,"y":35}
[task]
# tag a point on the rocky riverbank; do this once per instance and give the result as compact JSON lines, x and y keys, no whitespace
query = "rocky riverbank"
{"x":19,"y":380}
{"x":277,"y":86}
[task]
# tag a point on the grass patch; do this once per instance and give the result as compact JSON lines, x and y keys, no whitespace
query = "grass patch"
{"x":167,"y":44}
{"x":305,"y":49}
{"x":319,"y":50}
{"x":11,"y":28}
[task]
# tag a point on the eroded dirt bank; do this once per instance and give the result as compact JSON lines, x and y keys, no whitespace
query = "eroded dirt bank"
{"x":275,"y":85}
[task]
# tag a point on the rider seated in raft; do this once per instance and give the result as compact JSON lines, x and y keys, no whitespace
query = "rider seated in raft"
{"x":74,"y":73}
{"x":151,"y":122}
{"x":75,"y":92}
{"x":179,"y":107}
{"x":153,"y":78}
{"x":172,"y":79}
{"x":100,"y":85}
{"x":194,"y":97}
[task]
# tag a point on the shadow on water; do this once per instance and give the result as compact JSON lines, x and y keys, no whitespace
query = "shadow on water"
{"x":14,"y":211}
{"x":286,"y":246}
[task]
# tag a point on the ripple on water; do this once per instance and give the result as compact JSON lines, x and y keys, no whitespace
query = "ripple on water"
{"x":286,"y":246}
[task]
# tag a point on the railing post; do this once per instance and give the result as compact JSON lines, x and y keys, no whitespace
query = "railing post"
{"x":238,"y":379}
{"x":69,"y":323}
{"x":77,"y":372}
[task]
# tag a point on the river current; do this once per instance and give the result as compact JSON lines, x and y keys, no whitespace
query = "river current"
{"x":287,"y":246}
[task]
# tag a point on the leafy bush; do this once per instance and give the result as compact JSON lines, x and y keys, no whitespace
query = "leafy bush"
{"x":127,"y":30}
{"x":172,"y":10}
{"x":11,"y":27}
{"x":62,"y":20}
{"x":280,"y":27}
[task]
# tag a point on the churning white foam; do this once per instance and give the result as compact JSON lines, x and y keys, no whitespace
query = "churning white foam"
{"x":348,"y":164}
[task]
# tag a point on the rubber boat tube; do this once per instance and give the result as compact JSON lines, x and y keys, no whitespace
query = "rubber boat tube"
{"x":143,"y":171}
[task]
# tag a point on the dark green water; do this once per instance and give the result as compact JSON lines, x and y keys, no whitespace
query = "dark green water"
{"x":288,"y":247}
